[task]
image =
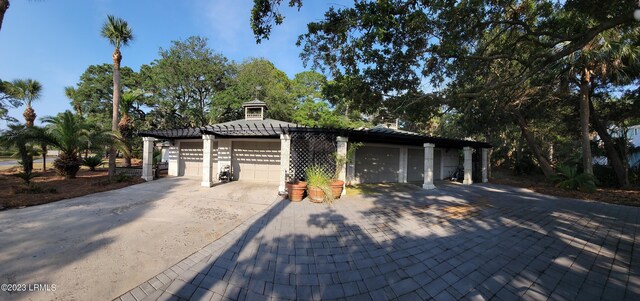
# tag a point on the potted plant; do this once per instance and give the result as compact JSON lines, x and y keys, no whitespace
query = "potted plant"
{"x":296,"y":189}
{"x":318,"y":184}
{"x":337,"y":185}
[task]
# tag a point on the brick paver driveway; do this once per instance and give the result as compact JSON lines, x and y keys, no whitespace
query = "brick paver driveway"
{"x":457,"y":242}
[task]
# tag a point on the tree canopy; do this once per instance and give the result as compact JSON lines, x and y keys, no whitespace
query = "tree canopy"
{"x":500,"y":70}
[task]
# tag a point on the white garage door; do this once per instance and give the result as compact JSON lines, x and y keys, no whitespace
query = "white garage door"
{"x":190,"y":159}
{"x":377,"y":164}
{"x":256,"y":161}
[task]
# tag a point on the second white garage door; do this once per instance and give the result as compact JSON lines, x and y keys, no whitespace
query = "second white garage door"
{"x":190,"y":159}
{"x":256,"y":161}
{"x":377,"y":164}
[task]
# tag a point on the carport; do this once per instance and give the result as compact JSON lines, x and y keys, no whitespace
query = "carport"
{"x":259,"y":149}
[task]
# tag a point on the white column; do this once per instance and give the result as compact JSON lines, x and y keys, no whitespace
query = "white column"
{"x":402,"y":176}
{"x":341,"y":150}
{"x":207,"y":150}
{"x":147,"y":158}
{"x":485,"y":165}
{"x":174,"y":158}
{"x":285,"y":152}
{"x":350,"y":170}
{"x":428,"y":166}
{"x":468,"y":151}
{"x":224,"y":154}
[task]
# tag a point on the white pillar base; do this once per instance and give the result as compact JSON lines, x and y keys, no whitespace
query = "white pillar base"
{"x":147,"y":158}
{"x":428,"y":186}
{"x":206,"y":184}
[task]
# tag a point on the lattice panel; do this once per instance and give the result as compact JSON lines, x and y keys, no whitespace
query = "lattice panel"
{"x":308,"y":148}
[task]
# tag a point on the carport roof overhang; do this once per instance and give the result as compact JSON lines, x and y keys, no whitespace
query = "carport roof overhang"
{"x":273,"y":129}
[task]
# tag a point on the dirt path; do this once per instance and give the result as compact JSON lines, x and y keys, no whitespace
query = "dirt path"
{"x":98,"y":246}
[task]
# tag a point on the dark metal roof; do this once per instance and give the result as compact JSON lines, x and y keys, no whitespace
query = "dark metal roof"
{"x":254,"y":103}
{"x":392,"y":136}
{"x":172,"y":133}
{"x":262,"y":128}
{"x":270,"y":128}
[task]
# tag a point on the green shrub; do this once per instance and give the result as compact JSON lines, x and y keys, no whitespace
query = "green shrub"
{"x":26,"y":177}
{"x":67,"y":165}
{"x":121,"y":177}
{"x":567,"y":177}
{"x":92,"y":162}
{"x":316,"y":176}
{"x":605,"y":175}
{"x":634,"y":174}
{"x":319,"y":178}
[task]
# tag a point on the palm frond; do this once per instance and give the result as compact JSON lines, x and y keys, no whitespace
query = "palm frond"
{"x":27,"y":90}
{"x":117,"y":31}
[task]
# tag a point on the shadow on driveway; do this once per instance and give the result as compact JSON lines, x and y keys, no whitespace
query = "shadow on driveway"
{"x":456,"y":242}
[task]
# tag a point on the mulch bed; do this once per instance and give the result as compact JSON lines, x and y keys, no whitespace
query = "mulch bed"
{"x":628,"y":197}
{"x":49,"y":187}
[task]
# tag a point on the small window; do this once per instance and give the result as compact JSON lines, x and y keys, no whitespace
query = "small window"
{"x":254,"y":113}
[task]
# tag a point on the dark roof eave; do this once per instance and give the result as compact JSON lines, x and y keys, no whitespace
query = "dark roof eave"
{"x":370,"y":135}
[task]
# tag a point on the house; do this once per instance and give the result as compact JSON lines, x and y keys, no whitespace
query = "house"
{"x":633,"y":135}
{"x":266,"y":150}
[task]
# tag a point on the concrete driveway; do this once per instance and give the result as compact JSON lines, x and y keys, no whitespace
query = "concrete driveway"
{"x":99,"y":246}
{"x":458,"y":242}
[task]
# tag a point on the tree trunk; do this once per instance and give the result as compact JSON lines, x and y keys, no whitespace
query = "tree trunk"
{"x":29,"y":116}
{"x":542,"y":161}
{"x":117,"y":58}
{"x":127,"y":157}
{"x":44,"y":157}
{"x":4,"y":6}
{"x":585,"y":84}
{"x":612,"y":153}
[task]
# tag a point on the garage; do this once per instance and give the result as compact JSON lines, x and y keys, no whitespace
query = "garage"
{"x":377,"y":164}
{"x":257,"y":161}
{"x":190,"y":159}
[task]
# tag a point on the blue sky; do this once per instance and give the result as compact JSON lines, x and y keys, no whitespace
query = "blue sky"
{"x":55,"y":41}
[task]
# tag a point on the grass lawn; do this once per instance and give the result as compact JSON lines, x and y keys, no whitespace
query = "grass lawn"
{"x":2,"y":159}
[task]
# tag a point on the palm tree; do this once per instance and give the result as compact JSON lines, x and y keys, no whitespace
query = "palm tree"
{"x":68,"y":132}
{"x":118,"y":32}
{"x":19,"y":136}
{"x":606,"y":57}
{"x":75,"y":102}
{"x":27,"y":90}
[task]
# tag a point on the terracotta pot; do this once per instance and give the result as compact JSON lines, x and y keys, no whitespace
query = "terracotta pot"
{"x":336,"y":188}
{"x":316,"y":195}
{"x":296,"y":191}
